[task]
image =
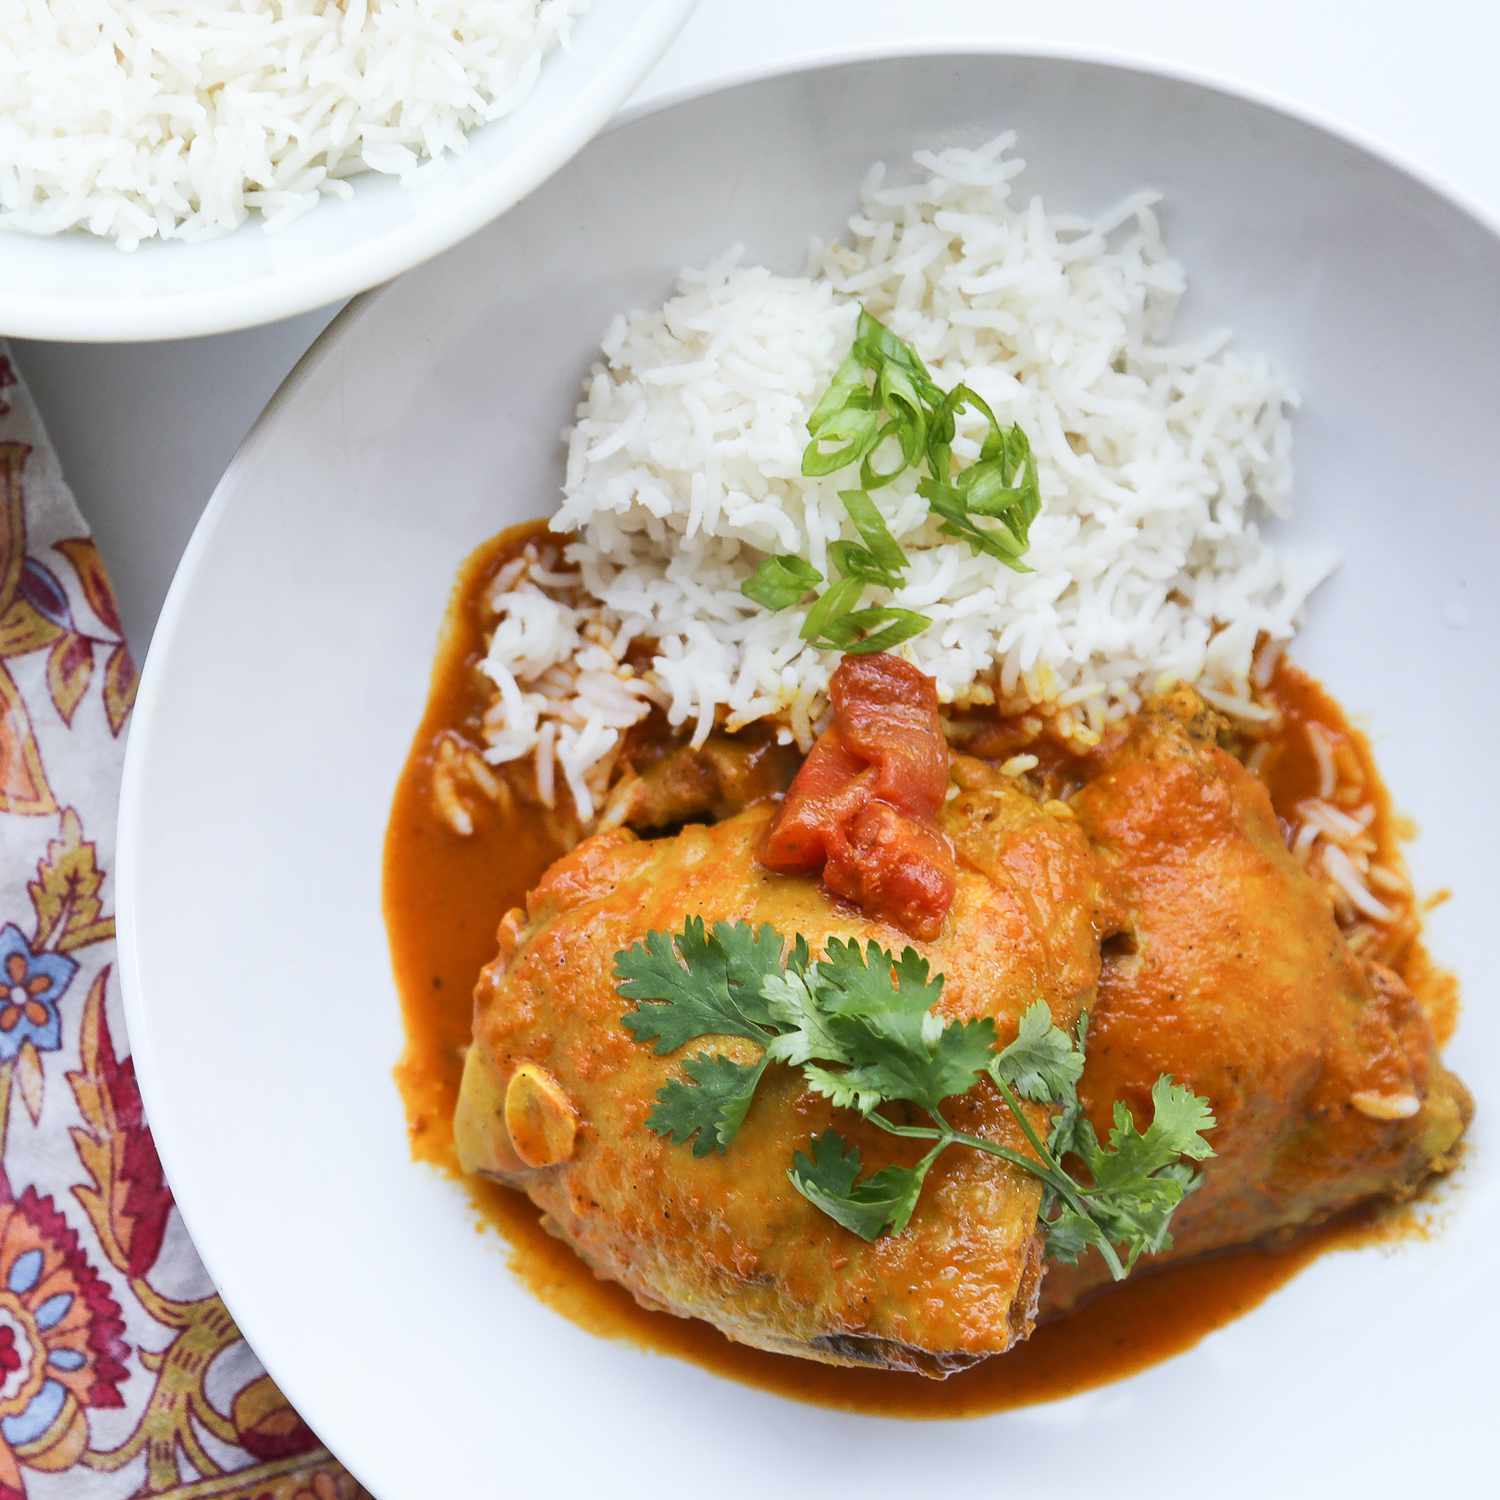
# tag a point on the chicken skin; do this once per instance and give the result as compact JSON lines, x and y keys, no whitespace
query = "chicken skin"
{"x":1322,"y":1071}
{"x":1160,"y":897}
{"x":556,"y":1091}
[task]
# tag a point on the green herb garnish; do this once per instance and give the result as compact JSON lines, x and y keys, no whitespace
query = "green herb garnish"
{"x":877,"y":557}
{"x":836,"y":622}
{"x":863,"y":631}
{"x":782,"y":581}
{"x":901,"y":401}
{"x":862,"y":1027}
{"x":1002,"y":485}
{"x":882,"y":392}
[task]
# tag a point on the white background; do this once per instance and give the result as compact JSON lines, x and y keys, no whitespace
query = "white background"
{"x":145,"y":430}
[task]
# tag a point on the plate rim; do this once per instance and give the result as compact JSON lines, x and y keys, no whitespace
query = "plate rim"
{"x":131,"y":837}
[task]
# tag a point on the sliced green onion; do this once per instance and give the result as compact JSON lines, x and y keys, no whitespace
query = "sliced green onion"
{"x":853,"y":561}
{"x":949,"y":502}
{"x":876,"y":629}
{"x":848,"y":379}
{"x":873,"y":531}
{"x":780,"y":582}
{"x":882,"y":393}
{"x":856,"y":426}
{"x":871,"y":477}
{"x":837,"y":600}
{"x":879,"y":347}
{"x":944,"y":427}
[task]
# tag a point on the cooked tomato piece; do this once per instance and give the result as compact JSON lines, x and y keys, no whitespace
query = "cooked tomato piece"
{"x":862,"y":811}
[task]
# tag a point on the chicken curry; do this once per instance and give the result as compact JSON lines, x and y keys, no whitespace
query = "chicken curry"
{"x":1152,"y":883}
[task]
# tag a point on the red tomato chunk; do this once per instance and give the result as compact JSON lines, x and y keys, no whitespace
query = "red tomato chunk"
{"x":863,"y":809}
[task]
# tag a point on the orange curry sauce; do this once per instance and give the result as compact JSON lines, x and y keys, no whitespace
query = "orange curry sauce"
{"x":444,"y":895}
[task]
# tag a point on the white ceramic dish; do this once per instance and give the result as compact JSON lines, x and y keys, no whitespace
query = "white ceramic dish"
{"x":81,"y":289}
{"x":291,"y":664}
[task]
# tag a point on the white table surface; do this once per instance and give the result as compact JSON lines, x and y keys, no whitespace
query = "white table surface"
{"x":145,"y":430}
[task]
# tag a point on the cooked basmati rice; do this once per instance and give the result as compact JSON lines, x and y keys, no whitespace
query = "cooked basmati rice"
{"x":1156,"y":460}
{"x":178,"y":118}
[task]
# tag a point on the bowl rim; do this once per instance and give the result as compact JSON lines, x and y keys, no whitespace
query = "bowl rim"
{"x":132,"y":836}
{"x":60,"y":318}
{"x":826,"y":59}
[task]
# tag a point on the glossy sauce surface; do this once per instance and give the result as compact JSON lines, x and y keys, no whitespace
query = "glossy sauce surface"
{"x":1290,"y":772}
{"x":444,"y":894}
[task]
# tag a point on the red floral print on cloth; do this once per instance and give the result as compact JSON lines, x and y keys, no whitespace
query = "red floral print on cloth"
{"x":62,"y":1332}
{"x":329,"y":1485}
{"x":104,"y":1377}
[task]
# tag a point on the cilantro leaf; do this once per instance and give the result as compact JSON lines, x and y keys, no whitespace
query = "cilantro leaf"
{"x":751,"y":956}
{"x":1177,"y":1118}
{"x":863,"y":1027}
{"x":712,"y":1107}
{"x":795,"y":1007}
{"x":883,"y":1070}
{"x":1140,"y":1177}
{"x":873,"y":982}
{"x":1066,"y":1120}
{"x":711,"y":986}
{"x":1070,"y":1235}
{"x":831,"y":1169}
{"x":880,"y":1009}
{"x":882,"y":1202}
{"x":1041,"y":1064}
{"x":1133,"y":1157}
{"x":1139,"y":1219}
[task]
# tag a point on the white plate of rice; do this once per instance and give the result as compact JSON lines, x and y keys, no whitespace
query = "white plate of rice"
{"x":179,"y":167}
{"x":1252,"y":360}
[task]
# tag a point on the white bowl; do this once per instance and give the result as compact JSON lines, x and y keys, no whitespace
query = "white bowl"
{"x":291,"y":665}
{"x":79,"y":288}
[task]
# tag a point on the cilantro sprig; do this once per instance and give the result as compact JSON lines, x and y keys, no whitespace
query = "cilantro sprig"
{"x":863,"y":1028}
{"x":883,"y":394}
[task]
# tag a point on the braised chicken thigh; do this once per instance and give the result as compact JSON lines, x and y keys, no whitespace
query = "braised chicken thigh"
{"x":723,"y":1237}
{"x":1322,"y":1070}
{"x":1161,"y":868}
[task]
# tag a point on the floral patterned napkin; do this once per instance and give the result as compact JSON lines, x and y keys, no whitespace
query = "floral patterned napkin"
{"x":121,"y":1373}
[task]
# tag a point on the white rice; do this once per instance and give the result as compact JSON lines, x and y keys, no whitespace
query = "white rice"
{"x":1157,"y":460}
{"x":178,"y":118}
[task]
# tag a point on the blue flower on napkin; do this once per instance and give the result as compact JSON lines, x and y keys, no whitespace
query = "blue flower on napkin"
{"x":31,"y":984}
